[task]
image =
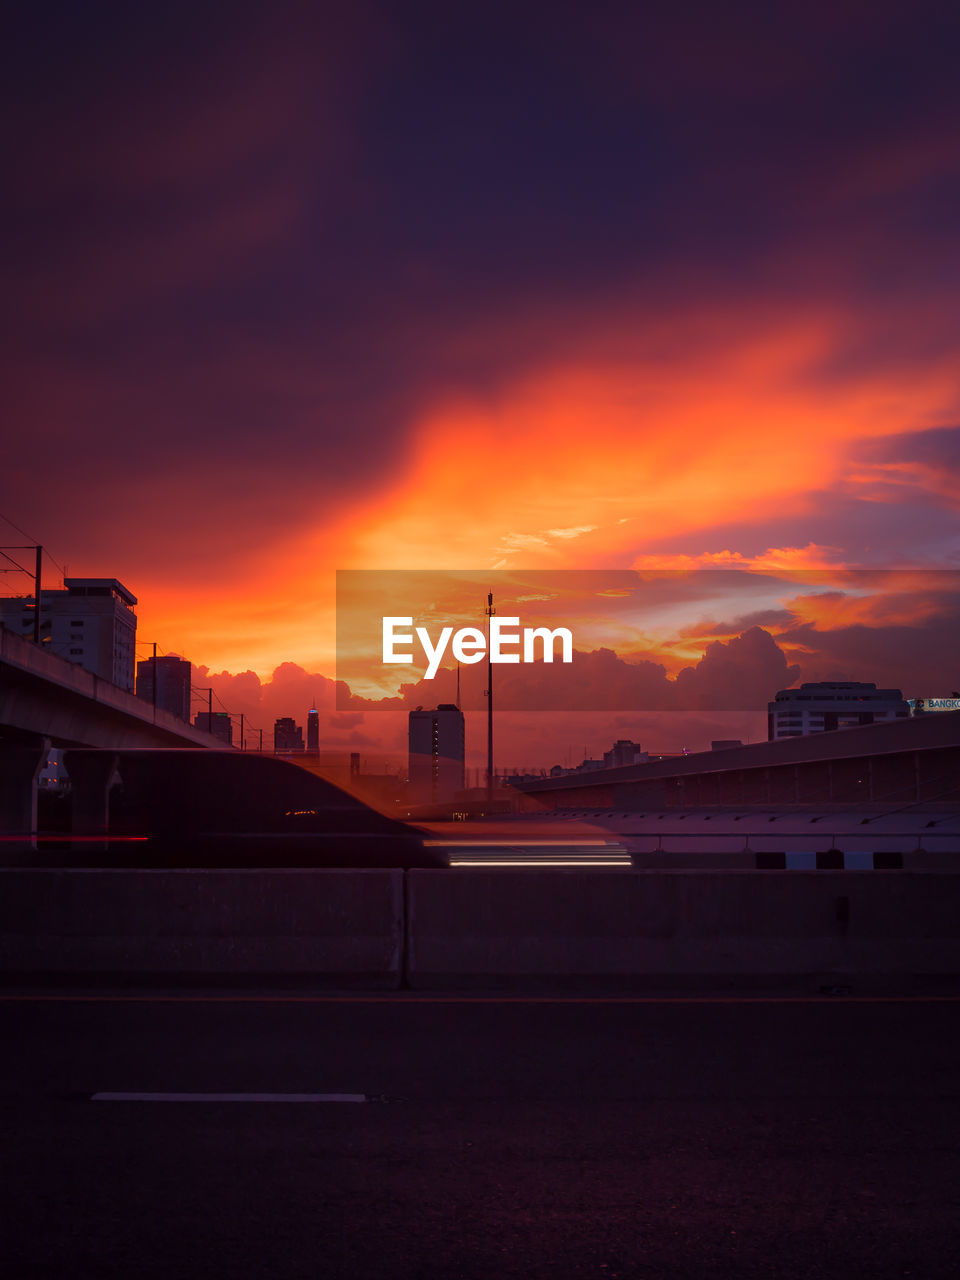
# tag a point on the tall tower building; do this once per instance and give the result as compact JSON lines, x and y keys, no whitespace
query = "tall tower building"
{"x":313,"y":730}
{"x":167,"y":681}
{"x":91,"y":622}
{"x":436,"y":740}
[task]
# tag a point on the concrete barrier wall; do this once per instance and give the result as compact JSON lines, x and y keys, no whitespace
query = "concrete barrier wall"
{"x":636,"y":928}
{"x":476,"y":928}
{"x":343,"y":928}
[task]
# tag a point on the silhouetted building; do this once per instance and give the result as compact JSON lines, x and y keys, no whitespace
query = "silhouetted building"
{"x":218,"y":724}
{"x":621,"y":754}
{"x":436,"y":740}
{"x":90,"y":622}
{"x":168,"y":679}
{"x":287,"y":735}
{"x":624,"y":752}
{"x":313,"y":730}
{"x":831,"y":704}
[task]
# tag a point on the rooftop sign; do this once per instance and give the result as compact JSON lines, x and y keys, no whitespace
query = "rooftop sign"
{"x":919,"y":706}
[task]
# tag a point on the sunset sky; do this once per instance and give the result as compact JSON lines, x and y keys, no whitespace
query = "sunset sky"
{"x":307,"y":287}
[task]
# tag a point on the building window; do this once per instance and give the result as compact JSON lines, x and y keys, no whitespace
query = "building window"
{"x":80,"y":651}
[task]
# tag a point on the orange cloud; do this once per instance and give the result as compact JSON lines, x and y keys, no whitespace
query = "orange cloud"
{"x":689,"y":425}
{"x":834,"y":609}
{"x":581,"y":462}
{"x":773,"y":559}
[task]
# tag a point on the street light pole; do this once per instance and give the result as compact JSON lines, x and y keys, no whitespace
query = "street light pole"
{"x":36,"y":587}
{"x":490,"y":611}
{"x":36,"y":575}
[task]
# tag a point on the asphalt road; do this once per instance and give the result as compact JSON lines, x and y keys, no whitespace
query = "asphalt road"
{"x":501,"y":1138}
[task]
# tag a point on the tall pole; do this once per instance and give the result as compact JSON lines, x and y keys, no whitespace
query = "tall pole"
{"x":36,"y":589}
{"x":241,"y":732}
{"x":210,"y":710}
{"x":490,"y":612}
{"x":156,"y":677}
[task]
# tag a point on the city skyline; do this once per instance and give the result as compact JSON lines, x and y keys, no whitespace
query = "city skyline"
{"x":680,"y":656}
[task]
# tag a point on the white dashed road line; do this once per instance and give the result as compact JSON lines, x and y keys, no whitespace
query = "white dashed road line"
{"x":229,"y":1097}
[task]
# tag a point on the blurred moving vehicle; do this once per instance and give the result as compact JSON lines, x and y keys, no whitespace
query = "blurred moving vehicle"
{"x":190,"y":808}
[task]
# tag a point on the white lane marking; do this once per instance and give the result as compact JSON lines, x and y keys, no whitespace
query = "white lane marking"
{"x":228,"y":1097}
{"x":539,"y":862}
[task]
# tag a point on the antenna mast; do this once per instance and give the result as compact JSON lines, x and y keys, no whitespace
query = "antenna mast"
{"x":490,"y":611}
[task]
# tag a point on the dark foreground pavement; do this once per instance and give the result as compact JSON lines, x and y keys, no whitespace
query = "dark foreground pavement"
{"x":713,"y":1138}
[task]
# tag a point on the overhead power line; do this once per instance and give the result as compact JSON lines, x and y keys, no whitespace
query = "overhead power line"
{"x":35,"y":541}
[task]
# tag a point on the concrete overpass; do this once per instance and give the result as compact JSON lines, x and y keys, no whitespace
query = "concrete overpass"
{"x":46,"y":701}
{"x":898,"y":762}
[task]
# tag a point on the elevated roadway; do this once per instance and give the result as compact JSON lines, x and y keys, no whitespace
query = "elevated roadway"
{"x":46,"y":701}
{"x":908,"y":761}
{"x":45,"y":696}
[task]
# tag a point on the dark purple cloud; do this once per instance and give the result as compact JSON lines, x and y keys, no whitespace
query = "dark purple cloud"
{"x":921,"y":660}
{"x":935,"y":447}
{"x":245,"y":218}
{"x":779,"y":618}
{"x":904,"y":529}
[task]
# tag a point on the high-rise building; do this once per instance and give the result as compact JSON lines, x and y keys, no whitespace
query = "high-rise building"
{"x":831,"y":704}
{"x":90,"y":622}
{"x":165,"y":682}
{"x":436,"y":740}
{"x":218,"y":724}
{"x":287,"y":735}
{"x":313,"y":729}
